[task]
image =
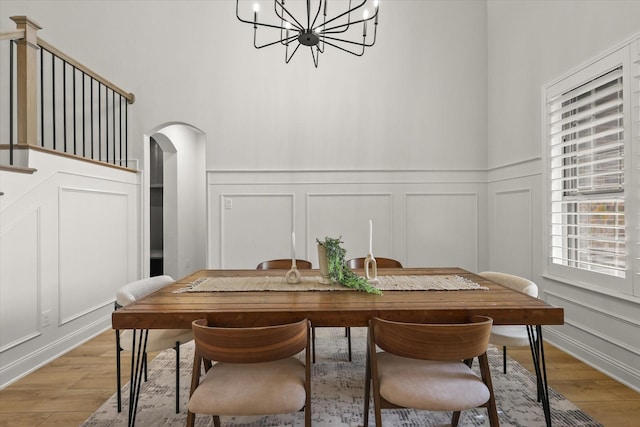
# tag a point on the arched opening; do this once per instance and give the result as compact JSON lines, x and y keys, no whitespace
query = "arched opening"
{"x":175,"y":242}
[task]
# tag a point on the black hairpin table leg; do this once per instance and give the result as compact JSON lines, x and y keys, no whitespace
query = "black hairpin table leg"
{"x":537,"y":354}
{"x":138,"y":355}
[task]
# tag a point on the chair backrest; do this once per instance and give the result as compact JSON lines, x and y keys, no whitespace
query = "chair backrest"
{"x":250,"y":345}
{"x":432,"y":341}
{"x":140,"y":288}
{"x":283,"y":264}
{"x":380,"y":263}
{"x":511,"y":281}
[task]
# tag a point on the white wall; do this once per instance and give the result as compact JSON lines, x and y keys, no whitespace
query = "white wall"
{"x":415,"y":100}
{"x":529,"y":45}
{"x":68,"y":240}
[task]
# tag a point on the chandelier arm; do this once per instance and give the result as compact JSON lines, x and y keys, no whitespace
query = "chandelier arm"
{"x":286,"y":60}
{"x":348,"y":12}
{"x":317,"y":13}
{"x":314,"y":57}
{"x":260,"y":24}
{"x":272,"y":43}
{"x":347,"y":50}
{"x":345,"y":27}
{"x":363,"y":43}
{"x":297,"y":24}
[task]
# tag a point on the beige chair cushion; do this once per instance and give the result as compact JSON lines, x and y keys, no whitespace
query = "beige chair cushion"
{"x":509,"y":335}
{"x":158,"y":339}
{"x":429,"y":385}
{"x":251,"y":389}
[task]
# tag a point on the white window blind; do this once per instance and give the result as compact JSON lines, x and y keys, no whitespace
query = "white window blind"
{"x":587,"y":177}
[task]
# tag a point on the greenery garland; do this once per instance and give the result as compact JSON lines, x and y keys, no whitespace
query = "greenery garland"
{"x":340,"y":272}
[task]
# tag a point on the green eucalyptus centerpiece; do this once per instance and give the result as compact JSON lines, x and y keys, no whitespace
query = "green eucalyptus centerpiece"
{"x":339,"y":271}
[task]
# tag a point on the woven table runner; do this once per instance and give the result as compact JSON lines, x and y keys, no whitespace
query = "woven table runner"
{"x":312,"y":283}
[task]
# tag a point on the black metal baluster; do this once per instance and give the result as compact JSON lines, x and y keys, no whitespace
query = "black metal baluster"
{"x":11,"y":102}
{"x":99,"y":121}
{"x":64,"y":106}
{"x":126,"y":132}
{"x":41,"y":97}
{"x":53,"y":98}
{"x":120,"y":127}
{"x":91,"y":118}
{"x":106,"y":122}
{"x":74,"y":112}
{"x":84,"y":116}
{"x":113,"y":122}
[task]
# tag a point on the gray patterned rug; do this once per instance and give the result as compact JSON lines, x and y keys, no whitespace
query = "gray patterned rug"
{"x":338,"y":390}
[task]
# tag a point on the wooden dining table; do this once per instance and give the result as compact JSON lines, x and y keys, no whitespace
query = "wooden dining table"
{"x":175,"y":307}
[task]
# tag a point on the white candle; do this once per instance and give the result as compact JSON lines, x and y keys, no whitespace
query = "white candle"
{"x":293,"y":246}
{"x":370,"y":237}
{"x":365,"y":16}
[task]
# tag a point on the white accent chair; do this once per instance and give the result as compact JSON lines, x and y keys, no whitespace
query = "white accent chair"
{"x":510,"y":335}
{"x":157,"y":340}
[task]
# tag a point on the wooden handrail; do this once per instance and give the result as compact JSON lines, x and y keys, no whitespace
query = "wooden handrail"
{"x":27,"y":84}
{"x":57,"y":52}
{"x":12,"y":35}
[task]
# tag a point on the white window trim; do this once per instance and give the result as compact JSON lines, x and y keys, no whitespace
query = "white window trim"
{"x":627,"y":55}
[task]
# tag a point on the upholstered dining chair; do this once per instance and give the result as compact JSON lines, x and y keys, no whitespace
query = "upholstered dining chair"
{"x":359,"y":263}
{"x":301,"y":264}
{"x":158,"y":339}
{"x":283,"y":264}
{"x":428,"y":367}
{"x":250,"y":371}
{"x":380,"y":262}
{"x":510,"y":335}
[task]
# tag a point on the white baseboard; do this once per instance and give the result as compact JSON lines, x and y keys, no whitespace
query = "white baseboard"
{"x":595,"y":358}
{"x":30,"y":362}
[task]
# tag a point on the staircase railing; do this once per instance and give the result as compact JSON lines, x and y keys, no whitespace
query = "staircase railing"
{"x":57,"y":104}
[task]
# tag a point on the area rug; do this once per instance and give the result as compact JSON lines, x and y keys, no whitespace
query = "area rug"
{"x":338,"y":391}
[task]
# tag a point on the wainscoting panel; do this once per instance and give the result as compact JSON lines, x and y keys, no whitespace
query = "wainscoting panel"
{"x":70,"y":238}
{"x":255,"y":227}
{"x":347,"y":215}
{"x":20,"y":279}
{"x":512,"y":240}
{"x":418,"y":217}
{"x":93,"y":234}
{"x":442,"y":230}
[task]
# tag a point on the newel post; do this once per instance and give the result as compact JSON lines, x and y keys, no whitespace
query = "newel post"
{"x":27,"y":79}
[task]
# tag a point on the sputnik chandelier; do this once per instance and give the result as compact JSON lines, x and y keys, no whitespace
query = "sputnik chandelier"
{"x":317,"y":30}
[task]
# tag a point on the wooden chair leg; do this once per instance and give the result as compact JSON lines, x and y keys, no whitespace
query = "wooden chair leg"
{"x":216,"y":421}
{"x":191,"y":419}
{"x":348,"y":332}
{"x":455,"y":418}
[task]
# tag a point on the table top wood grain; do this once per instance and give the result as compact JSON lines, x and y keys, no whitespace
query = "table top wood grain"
{"x":166,"y":309}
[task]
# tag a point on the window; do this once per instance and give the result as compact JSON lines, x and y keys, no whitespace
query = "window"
{"x":586,"y":131}
{"x":589,"y":134}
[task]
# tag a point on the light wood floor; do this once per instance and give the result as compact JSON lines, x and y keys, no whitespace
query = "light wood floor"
{"x":68,"y":390}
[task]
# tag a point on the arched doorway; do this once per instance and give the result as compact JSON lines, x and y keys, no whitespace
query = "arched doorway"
{"x":176,"y":201}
